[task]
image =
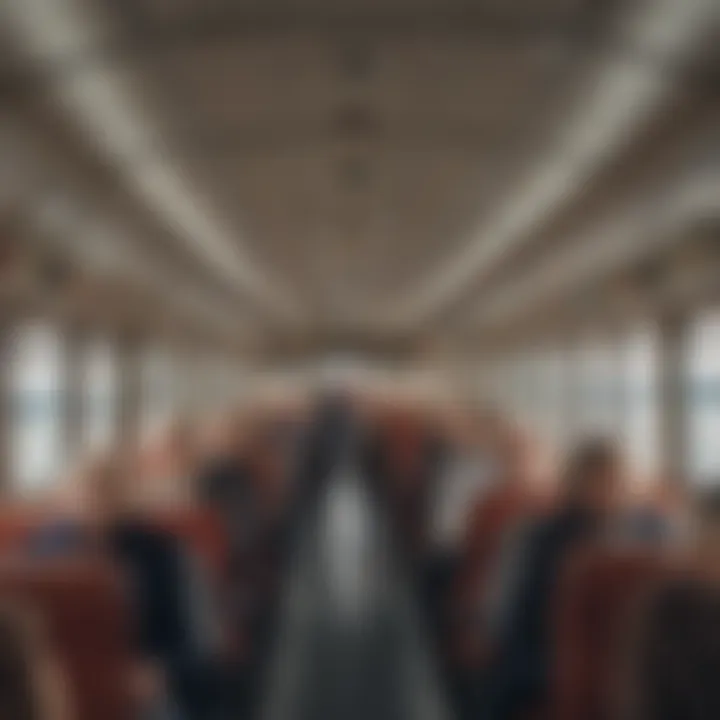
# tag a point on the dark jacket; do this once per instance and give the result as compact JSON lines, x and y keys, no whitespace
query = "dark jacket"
{"x":226,"y":487}
{"x":520,"y":676}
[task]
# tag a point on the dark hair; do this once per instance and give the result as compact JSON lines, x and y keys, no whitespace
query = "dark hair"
{"x":18,"y":694}
{"x":591,"y":459}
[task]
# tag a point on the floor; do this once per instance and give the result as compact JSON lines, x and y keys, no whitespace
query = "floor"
{"x":350,"y":645}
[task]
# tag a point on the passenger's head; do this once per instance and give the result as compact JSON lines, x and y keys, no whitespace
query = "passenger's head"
{"x":171,"y":464}
{"x":520,"y":459}
{"x":105,"y":489}
{"x":178,"y":444}
{"x":68,"y":495}
{"x":223,"y":437}
{"x":595,"y":477}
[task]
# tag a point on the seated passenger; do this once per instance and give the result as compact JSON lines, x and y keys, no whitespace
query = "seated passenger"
{"x":168,"y":475}
{"x":227,"y":485}
{"x":518,"y":678}
{"x":675,"y":657}
{"x":177,"y":635}
{"x":330,"y":427}
{"x":412,"y":463}
{"x":661,"y":516}
{"x":31,"y":682}
{"x":224,"y":482}
{"x":468,"y":473}
{"x":520,"y":487}
{"x":494,"y":534}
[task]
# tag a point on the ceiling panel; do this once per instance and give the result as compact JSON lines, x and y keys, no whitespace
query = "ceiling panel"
{"x":359,"y":180}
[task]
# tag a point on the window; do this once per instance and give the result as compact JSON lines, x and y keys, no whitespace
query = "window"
{"x":501,"y":384}
{"x":704,"y":401}
{"x":523,"y":389}
{"x":641,"y":399}
{"x":157,"y":392}
{"x":35,"y":424}
{"x":536,"y":386}
{"x":599,"y":402}
{"x":99,"y":397}
{"x":552,"y":399}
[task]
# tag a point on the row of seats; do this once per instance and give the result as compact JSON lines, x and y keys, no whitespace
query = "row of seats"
{"x":82,"y":602}
{"x":599,"y":592}
{"x":85,"y":626}
{"x":607,"y":607}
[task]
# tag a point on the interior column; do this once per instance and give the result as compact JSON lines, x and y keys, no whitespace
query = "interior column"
{"x":5,"y":402}
{"x":130,"y":389}
{"x":673,"y":396}
{"x":74,"y":371}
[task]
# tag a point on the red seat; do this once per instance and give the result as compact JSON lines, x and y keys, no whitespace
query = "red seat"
{"x":406,"y":468}
{"x":598,"y":593}
{"x":83,"y":613}
{"x":16,"y":523}
{"x":489,"y":521}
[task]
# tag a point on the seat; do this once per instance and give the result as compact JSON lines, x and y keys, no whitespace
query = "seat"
{"x":82,"y":610}
{"x":491,"y":518}
{"x":598,"y":593}
{"x":407,"y":465}
{"x":16,"y":523}
{"x":205,"y":534}
{"x":674,"y":662}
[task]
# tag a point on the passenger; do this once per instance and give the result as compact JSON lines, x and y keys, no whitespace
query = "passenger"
{"x":411,"y":466}
{"x":662,"y":516}
{"x":520,"y":491}
{"x":506,"y":567}
{"x":328,"y":436}
{"x":470,"y":470}
{"x":271,"y":474}
{"x":674,"y":660}
{"x":177,"y":636}
{"x":167,"y":478}
{"x":32,"y":686}
{"x":520,"y":486}
{"x":232,"y":485}
{"x":518,"y":679}
{"x":224,"y":483}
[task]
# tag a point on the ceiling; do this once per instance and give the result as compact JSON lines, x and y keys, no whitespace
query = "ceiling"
{"x":344,"y":173}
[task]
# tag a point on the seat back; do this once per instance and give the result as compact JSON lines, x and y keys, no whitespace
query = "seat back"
{"x":402,"y":442}
{"x":490,"y":519}
{"x":673,"y":668}
{"x":16,"y":523}
{"x":598,"y":592}
{"x":82,"y":610}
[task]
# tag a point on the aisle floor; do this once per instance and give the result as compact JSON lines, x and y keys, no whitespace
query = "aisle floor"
{"x":351,"y":644}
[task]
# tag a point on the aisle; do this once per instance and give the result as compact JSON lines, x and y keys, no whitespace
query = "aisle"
{"x":350,"y":643}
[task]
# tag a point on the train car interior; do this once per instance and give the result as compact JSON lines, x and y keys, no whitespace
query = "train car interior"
{"x":360,"y":359}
